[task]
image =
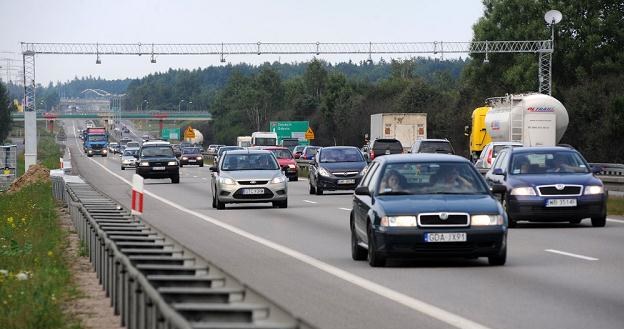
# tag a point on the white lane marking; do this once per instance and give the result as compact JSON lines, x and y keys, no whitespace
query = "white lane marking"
{"x":400,"y":298}
{"x":194,"y":176}
{"x":204,"y":178}
{"x":345,"y":209}
{"x":615,"y":220}
{"x":570,"y":254}
{"x":308,"y":201}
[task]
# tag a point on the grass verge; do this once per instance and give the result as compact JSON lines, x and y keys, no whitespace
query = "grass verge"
{"x":615,"y":205}
{"x":35,"y":280}
{"x":48,"y":152}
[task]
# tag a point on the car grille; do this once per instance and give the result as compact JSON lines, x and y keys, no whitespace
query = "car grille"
{"x":345,"y":173}
{"x":157,"y":164}
{"x":266,"y":195}
{"x":252,"y":182}
{"x":560,"y":189}
{"x":97,"y":147}
{"x":451,"y":220}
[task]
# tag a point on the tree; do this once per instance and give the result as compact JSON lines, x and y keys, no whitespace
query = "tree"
{"x":5,"y":113}
{"x":315,"y":77}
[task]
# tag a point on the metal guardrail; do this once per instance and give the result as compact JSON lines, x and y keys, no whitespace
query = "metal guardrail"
{"x":152,"y":281}
{"x":610,"y":169}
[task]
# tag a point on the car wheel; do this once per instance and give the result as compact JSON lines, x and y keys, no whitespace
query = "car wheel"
{"x":294,"y":179}
{"x":281,"y":204}
{"x":511,"y":222}
{"x":575,"y":221}
{"x":312,"y":189}
{"x":214,"y":204}
{"x":499,"y":259}
{"x":599,"y":221}
{"x":201,"y":165}
{"x":220,"y":205}
{"x":104,"y":155}
{"x":357,"y":252}
{"x":181,"y":165}
{"x":319,"y":190}
{"x":175,"y":179}
{"x":122,"y":168}
{"x":374,"y":258}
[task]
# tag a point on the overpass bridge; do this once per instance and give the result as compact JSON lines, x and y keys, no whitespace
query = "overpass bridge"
{"x":157,"y":116}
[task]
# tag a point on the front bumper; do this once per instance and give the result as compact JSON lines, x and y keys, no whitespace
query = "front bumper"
{"x":533,"y":208}
{"x":128,"y":165}
{"x":149,"y":172}
{"x":192,"y":161}
{"x":234,"y":193}
{"x":338,"y":183}
{"x":410,"y":242}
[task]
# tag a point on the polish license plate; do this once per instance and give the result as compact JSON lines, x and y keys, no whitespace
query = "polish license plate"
{"x":445,"y":237}
{"x":346,"y":181}
{"x":561,"y":203}
{"x":192,"y":160}
{"x":253,"y":191}
{"x":158,"y":168}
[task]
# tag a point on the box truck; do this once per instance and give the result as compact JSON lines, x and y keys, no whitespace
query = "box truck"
{"x":405,"y":127}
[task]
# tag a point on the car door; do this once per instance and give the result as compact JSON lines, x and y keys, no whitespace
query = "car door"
{"x":314,"y":168}
{"x":363,"y":203}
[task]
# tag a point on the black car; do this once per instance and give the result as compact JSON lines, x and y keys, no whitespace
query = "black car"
{"x":336,"y":168}
{"x":549,"y":184}
{"x":432,"y":146}
{"x":384,"y":146}
{"x":157,"y":160}
{"x":191,"y":156}
{"x":426,"y":205}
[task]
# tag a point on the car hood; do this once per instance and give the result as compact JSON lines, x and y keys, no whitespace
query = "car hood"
{"x":414,"y":204}
{"x":251,"y":174}
{"x":286,"y":162}
{"x":343,"y":166}
{"x":128,"y":157}
{"x":158,"y":159}
{"x":553,"y":178}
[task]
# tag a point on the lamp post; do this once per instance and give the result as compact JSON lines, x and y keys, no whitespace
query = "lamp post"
{"x":180,"y":102}
{"x":145,"y":101}
{"x":187,"y":105}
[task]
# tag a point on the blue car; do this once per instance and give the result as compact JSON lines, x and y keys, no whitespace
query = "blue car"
{"x":426,"y":205}
{"x":549,"y":184}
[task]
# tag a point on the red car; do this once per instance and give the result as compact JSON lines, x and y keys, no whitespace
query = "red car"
{"x":286,"y":161}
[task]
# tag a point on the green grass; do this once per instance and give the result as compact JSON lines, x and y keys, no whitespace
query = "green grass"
{"x":48,"y":152}
{"x":33,"y":244}
{"x":615,"y":206}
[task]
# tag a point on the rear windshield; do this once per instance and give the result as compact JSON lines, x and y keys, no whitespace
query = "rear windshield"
{"x":394,"y":146}
{"x":265,"y":141}
{"x":341,"y":155}
{"x":436,"y":147}
{"x":191,"y":150}
{"x":282,"y":154}
{"x":311,"y":150}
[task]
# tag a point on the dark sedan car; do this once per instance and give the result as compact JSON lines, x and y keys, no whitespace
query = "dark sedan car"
{"x":426,"y":205}
{"x":157,"y":160}
{"x":191,"y":156}
{"x":549,"y":184}
{"x":336,"y":168}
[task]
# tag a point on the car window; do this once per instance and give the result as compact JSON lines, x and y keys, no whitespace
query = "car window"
{"x":157,"y":151}
{"x":130,"y":152}
{"x":369,"y":173}
{"x":282,"y":153}
{"x":380,"y":146}
{"x":191,"y":150}
{"x":341,"y":155}
{"x":235,"y":162}
{"x":435,"y":147}
{"x":498,"y":163}
{"x":548,"y":162}
{"x":311,"y":150}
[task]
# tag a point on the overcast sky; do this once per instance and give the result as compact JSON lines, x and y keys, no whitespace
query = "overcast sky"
{"x":197,"y":21}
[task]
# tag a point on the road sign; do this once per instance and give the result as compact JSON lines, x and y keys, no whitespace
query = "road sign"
{"x":309,"y":135}
{"x":170,"y":133}
{"x":290,"y":129}
{"x":137,"y":195}
{"x":189,"y":133}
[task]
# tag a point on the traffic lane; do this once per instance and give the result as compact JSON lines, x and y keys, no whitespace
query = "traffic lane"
{"x":286,"y":281}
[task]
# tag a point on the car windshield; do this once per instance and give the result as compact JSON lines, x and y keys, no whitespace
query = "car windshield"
{"x":157,"y":151}
{"x":130,"y":152}
{"x":191,"y":150}
{"x":418,"y":178}
{"x":560,"y":162}
{"x":132,"y":144}
{"x":341,"y":155}
{"x":97,"y":138}
{"x":311,"y":150}
{"x":436,"y":147}
{"x":251,"y":161}
{"x":228,"y":148}
{"x":282,"y":154}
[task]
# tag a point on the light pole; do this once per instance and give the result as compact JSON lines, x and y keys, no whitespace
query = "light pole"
{"x":180,"y":102}
{"x":145,"y":101}
{"x":187,"y":105}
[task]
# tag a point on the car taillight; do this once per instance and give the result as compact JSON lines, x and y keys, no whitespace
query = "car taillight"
{"x":372,"y":155}
{"x":489,"y":157}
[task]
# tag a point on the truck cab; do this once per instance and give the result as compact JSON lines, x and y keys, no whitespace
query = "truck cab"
{"x":95,"y":141}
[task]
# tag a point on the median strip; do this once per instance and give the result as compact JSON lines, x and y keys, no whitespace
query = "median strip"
{"x":570,"y":254}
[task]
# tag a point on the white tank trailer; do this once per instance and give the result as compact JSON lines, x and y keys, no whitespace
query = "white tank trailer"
{"x":199,"y":137}
{"x":531,"y":119}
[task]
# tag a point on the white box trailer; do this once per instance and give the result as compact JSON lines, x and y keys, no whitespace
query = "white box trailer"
{"x":405,"y":127}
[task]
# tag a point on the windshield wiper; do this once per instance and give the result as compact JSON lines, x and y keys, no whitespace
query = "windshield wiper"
{"x":395,"y":193}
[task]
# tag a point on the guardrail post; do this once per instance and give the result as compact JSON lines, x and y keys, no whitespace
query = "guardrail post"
{"x":139,"y":302}
{"x":123,"y":286}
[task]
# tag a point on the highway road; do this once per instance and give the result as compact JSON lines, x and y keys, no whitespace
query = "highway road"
{"x":556,"y":276}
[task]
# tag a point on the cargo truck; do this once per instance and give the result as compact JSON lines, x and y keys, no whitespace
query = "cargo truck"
{"x":95,"y":141}
{"x":405,"y":127}
{"x":243,"y":141}
{"x":530,"y":119}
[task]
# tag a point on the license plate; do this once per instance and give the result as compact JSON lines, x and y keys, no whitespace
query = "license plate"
{"x":158,"y":168}
{"x":445,"y":237}
{"x":191,"y":160}
{"x":561,"y":203}
{"x":253,"y":191}
{"x":346,"y":181}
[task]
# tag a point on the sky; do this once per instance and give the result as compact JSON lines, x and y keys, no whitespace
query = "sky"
{"x":208,"y":21}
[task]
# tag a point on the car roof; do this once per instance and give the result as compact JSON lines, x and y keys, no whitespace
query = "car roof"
{"x":421,"y":157}
{"x":249,"y":151}
{"x":542,"y":149}
{"x":156,"y":143}
{"x":433,"y":140}
{"x":275,"y":148}
{"x":339,"y":148}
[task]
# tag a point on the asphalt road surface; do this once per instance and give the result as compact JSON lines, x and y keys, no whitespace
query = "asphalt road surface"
{"x":556,"y":276}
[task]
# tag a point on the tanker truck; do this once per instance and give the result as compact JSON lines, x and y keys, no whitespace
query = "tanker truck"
{"x":530,"y":119}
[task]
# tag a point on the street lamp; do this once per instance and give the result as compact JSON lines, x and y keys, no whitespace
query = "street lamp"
{"x":187,"y":105}
{"x":145,"y":101}
{"x":180,"y":102}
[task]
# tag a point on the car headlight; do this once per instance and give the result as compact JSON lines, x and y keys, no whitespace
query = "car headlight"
{"x":125,"y":161}
{"x":323,"y":172}
{"x":594,"y":189}
{"x":278,"y":180}
{"x":199,"y":158}
{"x":144,"y":164}
{"x":184,"y":158}
{"x":172,"y":163}
{"x":104,"y":151}
{"x":90,"y":151}
{"x":363,"y":172}
{"x":226,"y":181}
{"x":398,"y":221}
{"x":484,"y":220}
{"x":292,"y":166}
{"x":523,"y":191}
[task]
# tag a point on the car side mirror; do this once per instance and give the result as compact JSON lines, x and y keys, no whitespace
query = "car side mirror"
{"x":498,"y":189}
{"x":498,"y":171}
{"x":596,"y":169}
{"x":214,"y":169}
{"x":362,"y":190}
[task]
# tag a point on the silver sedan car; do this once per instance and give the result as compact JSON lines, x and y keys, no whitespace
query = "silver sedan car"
{"x":129,"y":157}
{"x":248,"y":176}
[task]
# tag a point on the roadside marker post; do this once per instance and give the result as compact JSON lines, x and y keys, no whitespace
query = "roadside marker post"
{"x":137,"y":195}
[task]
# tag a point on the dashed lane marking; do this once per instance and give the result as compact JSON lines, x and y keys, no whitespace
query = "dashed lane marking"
{"x":308,"y":201}
{"x":569,"y":254}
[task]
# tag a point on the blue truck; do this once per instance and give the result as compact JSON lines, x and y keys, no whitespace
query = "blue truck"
{"x":95,"y":141}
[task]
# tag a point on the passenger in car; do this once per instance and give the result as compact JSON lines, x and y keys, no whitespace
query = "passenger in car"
{"x":449,"y":179}
{"x":392,"y":181}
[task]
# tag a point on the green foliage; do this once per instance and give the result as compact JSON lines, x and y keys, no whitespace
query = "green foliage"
{"x":35,"y":280}
{"x":615,"y":205}
{"x":5,"y":113}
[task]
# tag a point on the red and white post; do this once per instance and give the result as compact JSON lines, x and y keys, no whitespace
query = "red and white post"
{"x":137,"y":195}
